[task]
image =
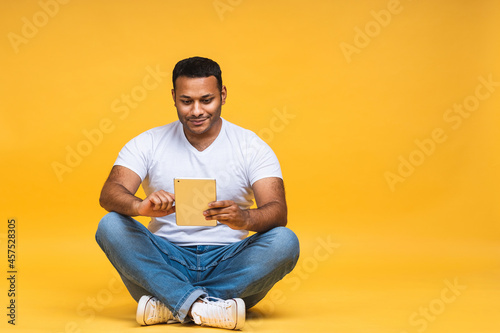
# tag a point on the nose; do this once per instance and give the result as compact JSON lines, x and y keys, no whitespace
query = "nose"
{"x":197,"y":110}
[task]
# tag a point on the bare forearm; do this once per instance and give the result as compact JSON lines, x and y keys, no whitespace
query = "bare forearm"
{"x":116,"y":198}
{"x":266,"y":217}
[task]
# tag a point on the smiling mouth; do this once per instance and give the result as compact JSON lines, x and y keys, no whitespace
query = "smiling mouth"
{"x":198,"y":121}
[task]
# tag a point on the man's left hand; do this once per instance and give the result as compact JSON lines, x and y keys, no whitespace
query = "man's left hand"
{"x":228,"y":213}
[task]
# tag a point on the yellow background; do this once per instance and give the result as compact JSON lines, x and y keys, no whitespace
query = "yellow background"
{"x":350,"y":118}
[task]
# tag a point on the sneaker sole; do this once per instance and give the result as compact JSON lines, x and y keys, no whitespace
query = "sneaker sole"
{"x":141,"y":306}
{"x":241,"y":311}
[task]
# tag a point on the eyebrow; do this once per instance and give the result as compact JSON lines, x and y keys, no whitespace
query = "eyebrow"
{"x":204,"y":96}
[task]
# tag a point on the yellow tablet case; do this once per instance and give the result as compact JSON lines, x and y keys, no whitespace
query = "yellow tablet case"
{"x":192,"y":196}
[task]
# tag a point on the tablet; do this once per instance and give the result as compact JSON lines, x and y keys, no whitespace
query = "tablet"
{"x":192,"y":196}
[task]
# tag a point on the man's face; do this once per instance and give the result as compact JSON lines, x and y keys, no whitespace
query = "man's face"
{"x":199,"y":103}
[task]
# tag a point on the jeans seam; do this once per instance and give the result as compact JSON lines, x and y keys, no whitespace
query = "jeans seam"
{"x":181,"y":261}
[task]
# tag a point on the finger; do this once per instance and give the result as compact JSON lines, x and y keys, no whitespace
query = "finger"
{"x":171,"y":201}
{"x":166,"y":200}
{"x":214,"y":212}
{"x":220,"y":204}
{"x":231,"y":210}
{"x":155,"y":202}
{"x":161,"y":213}
{"x":218,"y":217}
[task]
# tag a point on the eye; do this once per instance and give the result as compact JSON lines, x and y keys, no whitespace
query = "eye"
{"x":184,"y":101}
{"x":207,"y":101}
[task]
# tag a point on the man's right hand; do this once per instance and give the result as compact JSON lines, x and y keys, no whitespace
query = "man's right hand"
{"x":118,"y":195}
{"x":157,"y":204}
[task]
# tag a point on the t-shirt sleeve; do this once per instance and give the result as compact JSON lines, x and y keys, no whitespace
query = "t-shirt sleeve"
{"x":135,"y":155}
{"x":262,"y":161}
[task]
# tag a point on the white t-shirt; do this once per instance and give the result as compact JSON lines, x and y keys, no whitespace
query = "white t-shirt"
{"x":236,"y":159}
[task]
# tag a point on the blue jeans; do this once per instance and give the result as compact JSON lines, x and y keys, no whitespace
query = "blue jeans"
{"x":177,"y":276}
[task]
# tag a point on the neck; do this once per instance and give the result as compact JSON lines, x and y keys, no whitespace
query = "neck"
{"x":204,"y":140}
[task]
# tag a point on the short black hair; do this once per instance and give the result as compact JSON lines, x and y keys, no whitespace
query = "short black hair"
{"x":197,"y":67}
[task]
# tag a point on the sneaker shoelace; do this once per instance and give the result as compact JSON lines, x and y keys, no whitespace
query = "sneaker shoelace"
{"x":159,"y":313}
{"x":215,"y":313}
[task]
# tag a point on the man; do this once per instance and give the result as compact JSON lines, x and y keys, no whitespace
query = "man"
{"x":209,"y":275}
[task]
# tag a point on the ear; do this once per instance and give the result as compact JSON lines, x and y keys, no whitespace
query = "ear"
{"x":173,"y":95}
{"x":223,"y":95}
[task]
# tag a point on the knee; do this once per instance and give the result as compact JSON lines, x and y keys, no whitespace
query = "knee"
{"x":108,"y":226}
{"x":286,"y":242}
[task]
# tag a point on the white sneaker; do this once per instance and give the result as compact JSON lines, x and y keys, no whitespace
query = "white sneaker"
{"x":151,"y":311}
{"x":220,"y":313}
